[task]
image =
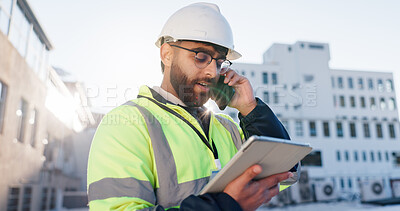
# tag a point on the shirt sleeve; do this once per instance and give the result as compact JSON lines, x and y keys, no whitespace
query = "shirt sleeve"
{"x":262,"y":121}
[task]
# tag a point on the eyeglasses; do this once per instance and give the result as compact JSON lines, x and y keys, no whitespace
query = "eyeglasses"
{"x":202,"y":59}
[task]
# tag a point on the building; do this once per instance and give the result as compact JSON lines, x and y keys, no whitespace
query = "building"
{"x":349,"y":117}
{"x":43,"y":116}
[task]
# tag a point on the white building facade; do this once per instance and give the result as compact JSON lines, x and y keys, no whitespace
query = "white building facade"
{"x":349,"y":117}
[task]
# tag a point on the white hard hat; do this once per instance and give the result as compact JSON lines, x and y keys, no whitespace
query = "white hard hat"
{"x":199,"y":22}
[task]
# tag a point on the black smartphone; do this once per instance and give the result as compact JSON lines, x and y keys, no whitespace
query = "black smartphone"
{"x":222,"y":93}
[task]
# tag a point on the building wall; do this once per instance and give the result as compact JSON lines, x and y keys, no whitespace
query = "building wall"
{"x":306,"y":92}
{"x":20,"y":162}
{"x":41,"y":165}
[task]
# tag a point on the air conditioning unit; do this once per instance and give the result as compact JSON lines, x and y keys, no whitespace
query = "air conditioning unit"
{"x":372,"y":190}
{"x":395,"y":184}
{"x":325,"y":191}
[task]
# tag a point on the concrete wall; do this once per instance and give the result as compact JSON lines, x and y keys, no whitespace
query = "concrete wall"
{"x":19,"y":162}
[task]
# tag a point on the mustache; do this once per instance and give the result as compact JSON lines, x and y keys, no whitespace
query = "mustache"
{"x":212,"y":81}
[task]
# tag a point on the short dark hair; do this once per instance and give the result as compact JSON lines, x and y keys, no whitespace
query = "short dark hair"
{"x":221,"y":50}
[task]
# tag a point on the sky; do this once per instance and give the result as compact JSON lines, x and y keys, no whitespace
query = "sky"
{"x":109,"y":45}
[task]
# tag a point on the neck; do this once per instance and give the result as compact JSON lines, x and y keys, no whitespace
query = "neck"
{"x":167,"y":86}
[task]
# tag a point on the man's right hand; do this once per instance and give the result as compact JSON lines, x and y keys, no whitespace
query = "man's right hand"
{"x":252,"y":194}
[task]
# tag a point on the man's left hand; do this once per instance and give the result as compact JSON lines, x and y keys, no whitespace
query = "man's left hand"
{"x":244,"y":99}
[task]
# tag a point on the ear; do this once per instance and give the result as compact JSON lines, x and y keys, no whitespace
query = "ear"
{"x":166,"y":55}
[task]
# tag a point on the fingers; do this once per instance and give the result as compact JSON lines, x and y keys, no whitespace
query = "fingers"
{"x":275,"y":179}
{"x":269,"y":193}
{"x":248,"y":175}
{"x":229,"y":75}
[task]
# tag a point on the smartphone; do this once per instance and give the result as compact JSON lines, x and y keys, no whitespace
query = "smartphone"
{"x":222,"y":93}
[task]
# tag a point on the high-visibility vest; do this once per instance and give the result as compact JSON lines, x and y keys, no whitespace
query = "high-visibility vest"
{"x":142,"y":155}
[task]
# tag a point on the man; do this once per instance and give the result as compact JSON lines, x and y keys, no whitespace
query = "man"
{"x":158,"y":151}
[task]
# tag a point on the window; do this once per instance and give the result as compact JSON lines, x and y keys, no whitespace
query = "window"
{"x":342,"y":102}
{"x":392,"y":104}
{"x":355,"y":156}
{"x":19,"y":31}
{"x":372,"y":103}
{"x":396,"y":159}
{"x":3,"y":95}
{"x":265,"y":78}
{"x":387,"y":156}
{"x":362,"y":102}
{"x":5,"y":11}
{"x":379,"y":156}
{"x":382,"y":104}
{"x":342,"y":183}
{"x":274,"y":78}
{"x":349,"y":182}
{"x":53,"y":199}
{"x":372,"y":156}
{"x":333,"y":81}
{"x":380,"y":85}
{"x":379,"y":130}
{"x":313,"y":130}
{"x":370,"y":84}
{"x":352,"y":130}
{"x":339,"y":129}
{"x":13,"y":199}
{"x":252,"y":73}
{"x":389,"y":85}
{"x":360,"y":83}
{"x":391,"y":131}
{"x":350,"y":82}
{"x":44,"y":199}
{"x":33,"y":124}
{"x":266,"y":97}
{"x":26,"y":199}
{"x":338,"y":155}
{"x":326,"y":128}
{"x":276,"y":98}
{"x":21,"y":115}
{"x":364,"y":154}
{"x":312,"y":159}
{"x":340,"y":82}
{"x":244,"y":73}
{"x":346,"y":155}
{"x":299,"y":128}
{"x":352,"y":102}
{"x":317,"y":47}
{"x":366,"y":130}
{"x":35,"y":52}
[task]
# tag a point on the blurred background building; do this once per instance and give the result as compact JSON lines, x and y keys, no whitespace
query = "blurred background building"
{"x":350,"y":118}
{"x":46,"y":125}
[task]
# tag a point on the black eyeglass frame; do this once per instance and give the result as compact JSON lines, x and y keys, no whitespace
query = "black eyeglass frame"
{"x":209,"y":62}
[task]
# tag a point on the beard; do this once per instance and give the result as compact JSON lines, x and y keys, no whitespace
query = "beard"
{"x":185,"y":87}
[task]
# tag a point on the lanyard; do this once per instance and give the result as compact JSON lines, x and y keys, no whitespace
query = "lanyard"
{"x":202,"y":137}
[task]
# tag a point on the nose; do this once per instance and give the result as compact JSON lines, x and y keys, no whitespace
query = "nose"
{"x":211,"y":70}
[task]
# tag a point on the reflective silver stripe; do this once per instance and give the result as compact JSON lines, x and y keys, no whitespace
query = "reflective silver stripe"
{"x":170,"y":193}
{"x":233,"y":130}
{"x":121,"y":187}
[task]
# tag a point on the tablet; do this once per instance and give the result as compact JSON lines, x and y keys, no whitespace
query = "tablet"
{"x":272,"y":154}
